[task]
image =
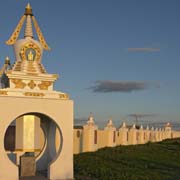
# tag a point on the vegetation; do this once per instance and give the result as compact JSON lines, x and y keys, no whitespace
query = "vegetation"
{"x":152,"y":161}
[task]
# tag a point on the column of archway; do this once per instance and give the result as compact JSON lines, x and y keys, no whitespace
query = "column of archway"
{"x":64,"y":120}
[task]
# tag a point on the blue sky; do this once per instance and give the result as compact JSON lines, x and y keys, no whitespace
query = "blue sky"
{"x":118,"y":41}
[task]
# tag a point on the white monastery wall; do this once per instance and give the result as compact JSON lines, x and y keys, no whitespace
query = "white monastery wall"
{"x":101,"y":139}
{"x":175,"y":134}
{"x":77,"y":139}
{"x":89,"y":141}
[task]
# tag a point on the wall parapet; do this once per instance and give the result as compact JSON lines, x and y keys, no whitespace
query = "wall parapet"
{"x":89,"y":138}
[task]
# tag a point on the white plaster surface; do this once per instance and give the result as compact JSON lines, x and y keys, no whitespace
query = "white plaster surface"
{"x":59,"y":110}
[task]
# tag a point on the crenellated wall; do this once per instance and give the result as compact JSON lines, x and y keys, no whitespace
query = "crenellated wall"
{"x":89,"y":138}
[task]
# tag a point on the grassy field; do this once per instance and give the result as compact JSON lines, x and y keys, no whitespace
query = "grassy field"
{"x":152,"y":161}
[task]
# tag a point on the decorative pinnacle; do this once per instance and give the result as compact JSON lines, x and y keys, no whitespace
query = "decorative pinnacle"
{"x":110,"y":123}
{"x":7,"y":60}
{"x":28,"y":10}
{"x":91,"y":119}
{"x":123,"y":125}
{"x":134,"y":126}
{"x":28,"y":29}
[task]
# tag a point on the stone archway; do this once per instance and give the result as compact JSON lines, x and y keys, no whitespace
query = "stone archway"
{"x":60,"y":111}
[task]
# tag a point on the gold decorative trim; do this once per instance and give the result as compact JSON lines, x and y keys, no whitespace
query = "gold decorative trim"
{"x":32,"y":74}
{"x":34,"y":94}
{"x":16,"y":32}
{"x":32,"y":84}
{"x":44,"y":85}
{"x":30,"y":45}
{"x":28,"y":10}
{"x":27,"y":150}
{"x":3,"y":92}
{"x":40,"y":35}
{"x":63,"y":96}
{"x":18,"y":83}
{"x":55,"y":75}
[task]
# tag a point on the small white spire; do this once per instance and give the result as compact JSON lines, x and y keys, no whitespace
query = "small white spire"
{"x":141,"y":127}
{"x":147,"y":128}
{"x":28,"y":29}
{"x":134,"y":126}
{"x":110,"y":123}
{"x":168,"y":124}
{"x":152,"y":128}
{"x":90,"y":119}
{"x":123,"y":125}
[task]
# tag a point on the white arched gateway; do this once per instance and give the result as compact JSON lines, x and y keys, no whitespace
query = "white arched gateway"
{"x":27,"y":96}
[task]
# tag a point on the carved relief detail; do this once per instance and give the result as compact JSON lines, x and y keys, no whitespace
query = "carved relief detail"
{"x":18,"y":83}
{"x":3,"y":93}
{"x":63,"y":96}
{"x":34,"y":94}
{"x":31,"y":84}
{"x":44,"y":85}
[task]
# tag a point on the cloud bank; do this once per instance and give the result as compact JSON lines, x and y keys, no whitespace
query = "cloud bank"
{"x":143,"y":49}
{"x":80,"y":120}
{"x":108,"y":86}
{"x":143,"y":115}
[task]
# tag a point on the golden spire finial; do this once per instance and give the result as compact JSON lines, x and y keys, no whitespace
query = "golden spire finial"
{"x":28,"y":6}
{"x":28,"y":10}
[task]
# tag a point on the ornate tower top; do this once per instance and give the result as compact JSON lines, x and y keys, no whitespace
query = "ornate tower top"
{"x":29,"y":17}
{"x":27,"y":76}
{"x":28,"y":51}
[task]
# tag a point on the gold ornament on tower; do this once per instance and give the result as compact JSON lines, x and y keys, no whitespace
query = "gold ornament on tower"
{"x":30,"y":56}
{"x":30,"y":51}
{"x":18,"y":83}
{"x":32,"y":84}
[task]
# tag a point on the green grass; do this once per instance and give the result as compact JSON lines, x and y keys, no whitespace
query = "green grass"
{"x":152,"y":161}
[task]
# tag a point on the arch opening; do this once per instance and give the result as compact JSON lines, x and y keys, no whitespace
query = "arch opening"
{"x":33,"y":134}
